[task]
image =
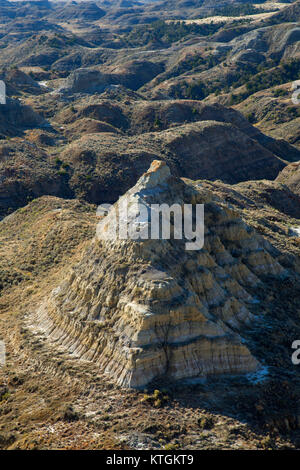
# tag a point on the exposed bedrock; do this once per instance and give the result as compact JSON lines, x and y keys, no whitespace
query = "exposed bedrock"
{"x":143,"y":309}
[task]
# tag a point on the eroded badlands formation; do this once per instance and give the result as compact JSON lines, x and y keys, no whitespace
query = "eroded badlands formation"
{"x":147,"y":309}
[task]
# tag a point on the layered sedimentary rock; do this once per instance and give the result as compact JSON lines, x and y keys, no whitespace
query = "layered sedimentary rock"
{"x":145,"y":309}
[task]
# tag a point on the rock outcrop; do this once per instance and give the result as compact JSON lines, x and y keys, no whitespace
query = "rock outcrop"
{"x":16,"y":117}
{"x":290,"y":177}
{"x":131,"y":74}
{"x":147,"y":309}
{"x":26,"y":173}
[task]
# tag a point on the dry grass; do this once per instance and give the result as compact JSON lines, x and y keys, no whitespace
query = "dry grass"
{"x":53,"y":401}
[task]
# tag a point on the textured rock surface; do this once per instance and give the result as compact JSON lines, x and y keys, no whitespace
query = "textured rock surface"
{"x":201,"y":150}
{"x":15,"y":117}
{"x":26,"y":173}
{"x":133,"y":75}
{"x":290,"y":176}
{"x":149,"y":309}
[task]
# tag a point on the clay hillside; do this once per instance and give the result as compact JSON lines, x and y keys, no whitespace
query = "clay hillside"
{"x":140,"y":344}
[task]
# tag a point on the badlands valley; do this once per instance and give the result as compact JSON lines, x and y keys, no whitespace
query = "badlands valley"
{"x":142,"y":344}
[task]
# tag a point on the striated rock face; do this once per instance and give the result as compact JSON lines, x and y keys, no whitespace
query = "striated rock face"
{"x":146,"y":309}
{"x":201,"y":150}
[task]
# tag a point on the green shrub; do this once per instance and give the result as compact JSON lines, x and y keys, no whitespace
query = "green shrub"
{"x":156,"y":399}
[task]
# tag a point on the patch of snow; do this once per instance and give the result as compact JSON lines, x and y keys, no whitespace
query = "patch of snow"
{"x":295,"y":231}
{"x":259,"y":376}
{"x":254,"y":300}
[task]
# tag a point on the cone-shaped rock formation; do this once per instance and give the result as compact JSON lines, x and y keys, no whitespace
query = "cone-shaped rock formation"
{"x":144,"y":309}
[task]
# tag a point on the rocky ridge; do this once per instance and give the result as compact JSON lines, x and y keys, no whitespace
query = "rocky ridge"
{"x":290,"y":177}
